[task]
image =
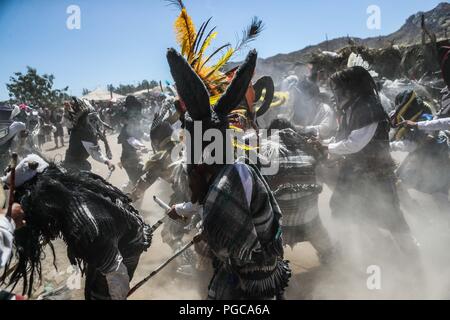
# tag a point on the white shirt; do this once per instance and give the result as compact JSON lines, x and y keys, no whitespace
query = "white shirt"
{"x":434,"y":125}
{"x":6,"y":240}
{"x":135,"y":143}
{"x":324,"y":122}
{"x":355,"y":142}
{"x":94,"y":151}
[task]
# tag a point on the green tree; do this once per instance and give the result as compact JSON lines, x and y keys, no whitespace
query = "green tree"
{"x":145,"y":85}
{"x":154,"y":84}
{"x":32,"y":88}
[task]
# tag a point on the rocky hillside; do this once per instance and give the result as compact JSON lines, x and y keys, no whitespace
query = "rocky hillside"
{"x":437,"y":21}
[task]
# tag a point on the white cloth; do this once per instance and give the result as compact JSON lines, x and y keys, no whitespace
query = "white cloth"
{"x":403,"y":145}
{"x":6,"y":240}
{"x":188,"y":209}
{"x":434,"y":125}
{"x":135,"y":143}
{"x":94,"y":151}
{"x":23,"y":171}
{"x":355,"y":142}
{"x":324,"y":123}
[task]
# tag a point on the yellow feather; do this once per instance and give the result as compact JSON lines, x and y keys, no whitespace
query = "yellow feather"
{"x":205,"y":45}
{"x":221,"y":62}
{"x":185,"y":33}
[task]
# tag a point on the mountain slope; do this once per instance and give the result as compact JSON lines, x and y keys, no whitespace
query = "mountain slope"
{"x":437,"y":21}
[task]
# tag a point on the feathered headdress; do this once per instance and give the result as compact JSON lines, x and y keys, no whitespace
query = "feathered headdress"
{"x":357,"y":60}
{"x":77,"y":108}
{"x":195,"y":44}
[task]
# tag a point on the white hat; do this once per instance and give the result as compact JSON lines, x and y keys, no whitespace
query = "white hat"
{"x":27,"y":168}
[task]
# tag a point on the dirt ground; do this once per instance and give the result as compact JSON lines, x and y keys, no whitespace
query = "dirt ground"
{"x":427,"y":217}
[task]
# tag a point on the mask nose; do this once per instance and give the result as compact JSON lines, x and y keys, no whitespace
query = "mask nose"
{"x":33,"y":165}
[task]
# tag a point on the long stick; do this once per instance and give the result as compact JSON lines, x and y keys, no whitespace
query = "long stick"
{"x":109,"y":175}
{"x":12,"y":184}
{"x":157,"y":225}
{"x":163,"y":205}
{"x":166,"y":207}
{"x":154,"y":272}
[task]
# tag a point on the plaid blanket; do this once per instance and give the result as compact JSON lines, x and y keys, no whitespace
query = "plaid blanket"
{"x":239,"y":221}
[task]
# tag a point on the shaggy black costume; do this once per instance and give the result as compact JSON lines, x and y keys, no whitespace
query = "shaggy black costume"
{"x":76,"y":154}
{"x":160,"y":166}
{"x":130,"y":158}
{"x":87,"y":128}
{"x":101,"y":228}
{"x":241,"y":224}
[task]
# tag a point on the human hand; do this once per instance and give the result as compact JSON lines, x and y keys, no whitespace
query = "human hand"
{"x":111,"y":166}
{"x":18,"y":216}
{"x":408,"y":124}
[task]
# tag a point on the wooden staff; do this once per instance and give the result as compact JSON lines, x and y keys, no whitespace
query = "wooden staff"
{"x":154,"y":272}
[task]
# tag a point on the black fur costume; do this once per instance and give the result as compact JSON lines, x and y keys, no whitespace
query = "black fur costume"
{"x":101,"y":228}
{"x":87,"y":127}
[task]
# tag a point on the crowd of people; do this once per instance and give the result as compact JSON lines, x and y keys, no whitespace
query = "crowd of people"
{"x":244,"y":217}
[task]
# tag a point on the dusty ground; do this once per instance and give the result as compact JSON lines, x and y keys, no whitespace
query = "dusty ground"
{"x":429,"y":222}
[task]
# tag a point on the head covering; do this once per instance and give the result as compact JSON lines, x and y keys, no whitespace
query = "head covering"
{"x":195,"y":96}
{"x":131,"y":102}
{"x":29,"y":167}
{"x":353,"y":82}
{"x":193,"y":47}
{"x":77,"y":108}
{"x":133,"y":108}
{"x":161,"y":135}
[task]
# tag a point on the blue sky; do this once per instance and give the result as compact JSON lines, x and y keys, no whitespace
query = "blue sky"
{"x":124,"y":41}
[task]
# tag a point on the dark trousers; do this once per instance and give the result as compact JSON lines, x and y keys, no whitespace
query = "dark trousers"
{"x":60,"y":138}
{"x":133,"y":167}
{"x":108,"y":287}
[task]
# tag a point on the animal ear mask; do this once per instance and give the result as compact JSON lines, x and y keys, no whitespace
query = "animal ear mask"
{"x":193,"y":93}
